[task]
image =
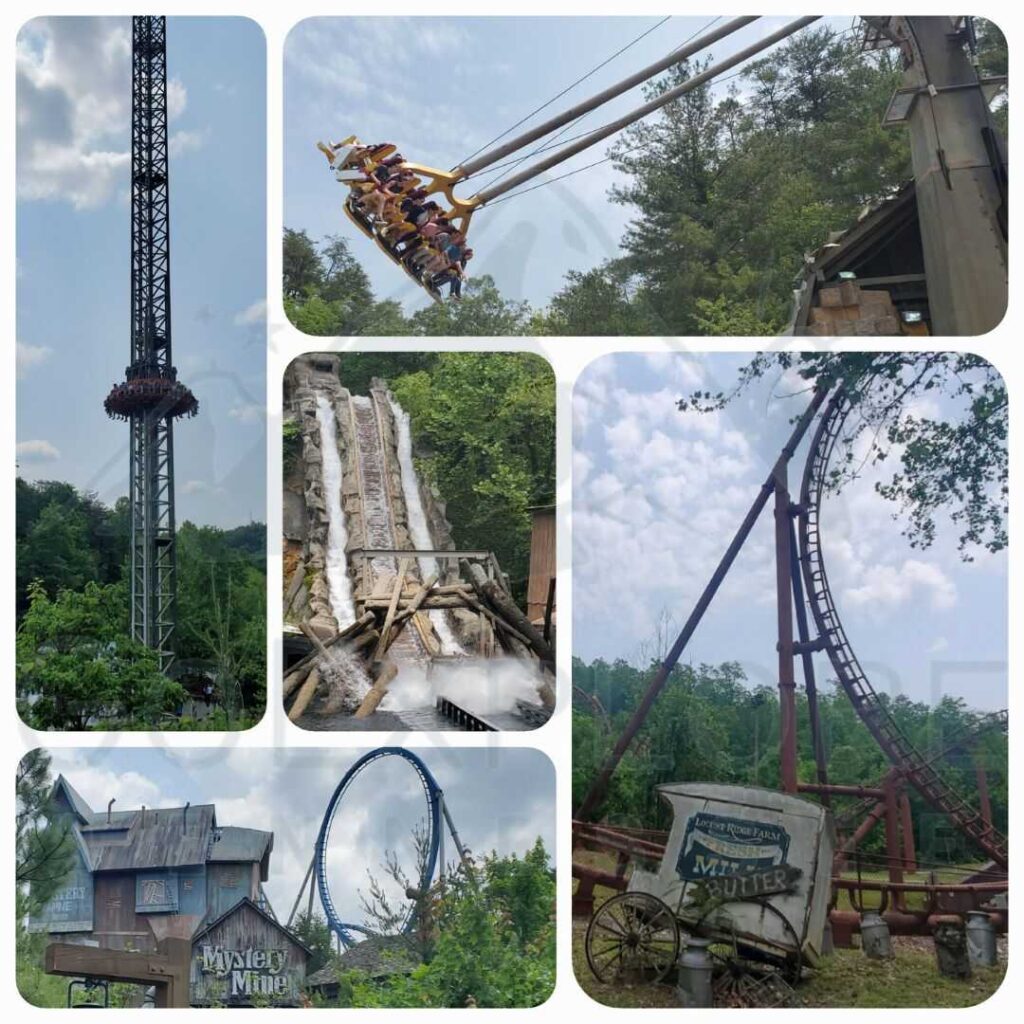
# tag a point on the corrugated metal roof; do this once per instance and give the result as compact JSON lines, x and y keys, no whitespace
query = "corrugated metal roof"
{"x":162,"y":838}
{"x":241,"y":844}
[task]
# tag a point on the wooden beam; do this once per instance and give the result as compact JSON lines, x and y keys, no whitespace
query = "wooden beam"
{"x":367,"y":619}
{"x":377,"y":691}
{"x":400,"y":620}
{"x":167,"y":969}
{"x":396,"y":593}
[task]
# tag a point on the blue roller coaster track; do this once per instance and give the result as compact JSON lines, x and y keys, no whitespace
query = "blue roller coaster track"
{"x":433,"y":795}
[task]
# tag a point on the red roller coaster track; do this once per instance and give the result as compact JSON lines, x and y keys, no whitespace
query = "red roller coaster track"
{"x":871,"y":710}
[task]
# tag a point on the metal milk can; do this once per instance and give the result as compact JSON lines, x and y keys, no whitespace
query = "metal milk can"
{"x":695,"y":968}
{"x":874,"y":936}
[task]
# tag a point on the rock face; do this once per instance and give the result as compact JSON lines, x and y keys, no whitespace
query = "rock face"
{"x":305,"y":521}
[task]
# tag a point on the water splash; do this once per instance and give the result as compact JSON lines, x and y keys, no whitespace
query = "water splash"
{"x":419,"y":528}
{"x":346,"y":679}
{"x":482,"y":686}
{"x":339,"y":586}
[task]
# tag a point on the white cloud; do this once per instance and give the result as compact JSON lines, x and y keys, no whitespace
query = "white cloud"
{"x":248,"y":412}
{"x":184,"y":141}
{"x":37,"y":451}
{"x":253,"y":315}
{"x":200,"y":487}
{"x":887,"y":586}
{"x":97,"y":785}
{"x":29,"y":356}
{"x":74,"y":109}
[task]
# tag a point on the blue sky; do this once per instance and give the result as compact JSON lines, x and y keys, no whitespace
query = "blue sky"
{"x":287,"y":790}
{"x":74,"y":106}
{"x":453,"y":84}
{"x":658,"y":495}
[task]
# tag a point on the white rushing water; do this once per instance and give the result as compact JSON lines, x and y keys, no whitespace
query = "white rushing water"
{"x":419,"y":529}
{"x":339,"y":586}
{"x":482,"y":686}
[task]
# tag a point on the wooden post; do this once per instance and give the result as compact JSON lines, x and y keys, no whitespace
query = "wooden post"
{"x":377,"y":691}
{"x":365,"y":620}
{"x":396,"y":593}
{"x":167,"y":970}
{"x":400,"y":620}
{"x":500,"y":601}
{"x":305,"y":695}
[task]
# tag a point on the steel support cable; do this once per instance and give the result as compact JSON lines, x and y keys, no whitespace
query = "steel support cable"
{"x":851,"y":60}
{"x":567,"y":89}
{"x":675,"y":57}
{"x":870,"y":709}
{"x":630,"y":149}
{"x":641,"y":112}
{"x":553,"y":141}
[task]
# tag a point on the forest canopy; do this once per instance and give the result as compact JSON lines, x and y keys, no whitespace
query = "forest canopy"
{"x":710,"y":723}
{"x":77,"y":665}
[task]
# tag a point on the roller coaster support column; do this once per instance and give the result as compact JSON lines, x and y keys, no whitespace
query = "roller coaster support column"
{"x":784,"y":603}
{"x":806,"y":649}
{"x":892,"y":831}
{"x":592,"y":801}
{"x":302,"y":889}
{"x":907,"y":831}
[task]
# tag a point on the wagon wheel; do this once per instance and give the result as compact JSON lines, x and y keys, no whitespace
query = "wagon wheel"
{"x":633,"y":938}
{"x":748,"y":976}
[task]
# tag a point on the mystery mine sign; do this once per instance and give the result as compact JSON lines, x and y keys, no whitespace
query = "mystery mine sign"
{"x":251,"y":972}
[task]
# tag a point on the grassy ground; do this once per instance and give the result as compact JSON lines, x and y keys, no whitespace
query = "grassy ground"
{"x":845,"y":979}
{"x":910,"y":979}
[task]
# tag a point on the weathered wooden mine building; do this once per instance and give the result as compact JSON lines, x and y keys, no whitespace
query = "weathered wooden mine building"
{"x":149,"y":874}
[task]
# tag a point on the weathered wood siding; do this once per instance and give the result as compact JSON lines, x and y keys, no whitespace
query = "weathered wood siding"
{"x":246,"y":960}
{"x":228,"y":884}
{"x":542,"y":562}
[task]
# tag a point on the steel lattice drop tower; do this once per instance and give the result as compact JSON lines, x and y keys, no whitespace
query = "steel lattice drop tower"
{"x":150,"y":398}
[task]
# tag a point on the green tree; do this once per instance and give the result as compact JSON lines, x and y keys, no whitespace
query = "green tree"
{"x":56,"y":551}
{"x":725,"y":199}
{"x":44,"y":847}
{"x":303,"y":271}
{"x":951,"y":462}
{"x":494,"y":944}
{"x":313,"y":931}
{"x":222,"y":615}
{"x":483,"y":425}
{"x":76,"y":666}
{"x":481,"y":313}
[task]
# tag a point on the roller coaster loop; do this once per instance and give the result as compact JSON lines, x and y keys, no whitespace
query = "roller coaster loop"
{"x":434,"y":799}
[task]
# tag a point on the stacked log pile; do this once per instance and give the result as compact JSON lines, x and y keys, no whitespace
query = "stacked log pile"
{"x":502,"y":630}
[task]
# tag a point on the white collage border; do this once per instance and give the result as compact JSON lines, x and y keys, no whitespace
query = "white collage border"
{"x":567,"y":356}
